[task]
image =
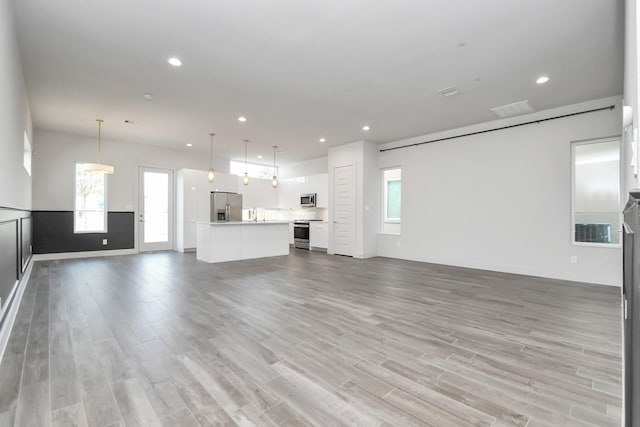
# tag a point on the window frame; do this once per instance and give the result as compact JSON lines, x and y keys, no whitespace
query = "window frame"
{"x":75,"y":208}
{"x":616,"y":228}
{"x":386,"y":220}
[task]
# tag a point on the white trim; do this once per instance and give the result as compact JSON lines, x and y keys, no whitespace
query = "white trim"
{"x":10,"y":318}
{"x":87,"y":254}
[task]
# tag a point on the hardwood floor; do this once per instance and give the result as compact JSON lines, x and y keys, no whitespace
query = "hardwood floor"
{"x":308,"y":339}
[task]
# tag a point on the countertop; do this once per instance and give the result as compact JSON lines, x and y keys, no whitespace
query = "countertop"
{"x":243,"y":223}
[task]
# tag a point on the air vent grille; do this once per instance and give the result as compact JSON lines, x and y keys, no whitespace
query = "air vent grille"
{"x":515,"y":109}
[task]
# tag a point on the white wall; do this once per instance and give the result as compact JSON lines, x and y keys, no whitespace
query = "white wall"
{"x":363,"y":155}
{"x":15,"y":182}
{"x":501,"y":200}
{"x":306,"y":168}
{"x":56,"y":153}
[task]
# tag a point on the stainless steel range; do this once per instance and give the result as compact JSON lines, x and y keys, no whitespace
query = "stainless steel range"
{"x":301,"y":233}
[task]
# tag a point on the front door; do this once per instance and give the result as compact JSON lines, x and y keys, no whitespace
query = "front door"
{"x":344,"y":210}
{"x":155,"y":213}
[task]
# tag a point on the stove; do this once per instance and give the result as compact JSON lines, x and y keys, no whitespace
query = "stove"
{"x":301,"y":233}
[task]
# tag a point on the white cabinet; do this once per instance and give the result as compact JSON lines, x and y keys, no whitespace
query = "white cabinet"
{"x":258,"y":194}
{"x":291,"y":189}
{"x":319,"y":184}
{"x":289,"y":195}
{"x":319,"y":235}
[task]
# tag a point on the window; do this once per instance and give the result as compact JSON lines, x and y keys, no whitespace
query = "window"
{"x":392,"y":203}
{"x":596,"y":192}
{"x":253,"y":170}
{"x":27,"y":154}
{"x":90,"y":214}
{"x":392,"y":193}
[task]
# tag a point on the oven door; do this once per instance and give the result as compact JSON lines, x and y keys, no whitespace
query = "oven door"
{"x":301,"y":236}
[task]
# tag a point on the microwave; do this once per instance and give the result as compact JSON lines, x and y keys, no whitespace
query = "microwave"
{"x":308,"y":200}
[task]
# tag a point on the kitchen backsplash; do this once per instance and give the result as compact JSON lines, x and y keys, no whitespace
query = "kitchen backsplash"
{"x":286,"y":214}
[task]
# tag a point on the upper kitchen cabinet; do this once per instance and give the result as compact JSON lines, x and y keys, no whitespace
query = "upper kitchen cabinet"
{"x":289,"y":194}
{"x":258,"y":193}
{"x":223,"y":182}
{"x":319,"y":184}
{"x":291,"y":189}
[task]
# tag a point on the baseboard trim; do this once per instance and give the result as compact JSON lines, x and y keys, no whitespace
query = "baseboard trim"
{"x":14,"y":306}
{"x":87,"y":254}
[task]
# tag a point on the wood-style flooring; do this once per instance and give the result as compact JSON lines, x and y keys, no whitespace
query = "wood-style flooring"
{"x":308,"y":339}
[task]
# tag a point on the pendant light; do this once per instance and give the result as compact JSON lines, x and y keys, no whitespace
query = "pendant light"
{"x":211,"y":173}
{"x":274,"y":180}
{"x":245,"y":180}
{"x":99,"y":167}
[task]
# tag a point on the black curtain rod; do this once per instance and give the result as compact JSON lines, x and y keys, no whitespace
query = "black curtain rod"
{"x":610,"y":107}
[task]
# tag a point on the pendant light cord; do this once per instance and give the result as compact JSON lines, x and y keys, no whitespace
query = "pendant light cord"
{"x":99,"y":137}
{"x":211,"y":150}
{"x":274,"y":159}
{"x":246,"y":141}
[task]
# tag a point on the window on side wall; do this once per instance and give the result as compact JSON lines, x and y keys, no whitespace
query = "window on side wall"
{"x":253,"y":170}
{"x":595,"y":192}
{"x":90,"y":213}
{"x":26,"y":159}
{"x":392,"y":201}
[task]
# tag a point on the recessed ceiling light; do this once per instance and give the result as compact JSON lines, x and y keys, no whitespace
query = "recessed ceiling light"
{"x":542,"y":80}
{"x":259,"y":156}
{"x":322,"y":140}
{"x":148,"y":96}
{"x":366,"y":128}
{"x":242,"y":119}
{"x":189,"y":144}
{"x":174,"y":61}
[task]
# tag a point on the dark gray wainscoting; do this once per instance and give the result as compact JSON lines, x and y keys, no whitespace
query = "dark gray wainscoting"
{"x":53,"y":233}
{"x":15,"y":252}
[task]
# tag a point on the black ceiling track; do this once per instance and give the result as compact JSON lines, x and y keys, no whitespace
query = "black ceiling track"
{"x":610,"y":107}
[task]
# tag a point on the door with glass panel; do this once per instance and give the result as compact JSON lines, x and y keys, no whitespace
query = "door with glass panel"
{"x":155,"y":210}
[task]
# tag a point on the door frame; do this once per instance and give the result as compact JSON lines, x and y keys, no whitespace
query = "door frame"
{"x":159,"y":246}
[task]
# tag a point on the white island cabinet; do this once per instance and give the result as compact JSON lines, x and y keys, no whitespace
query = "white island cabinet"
{"x":231,"y":241}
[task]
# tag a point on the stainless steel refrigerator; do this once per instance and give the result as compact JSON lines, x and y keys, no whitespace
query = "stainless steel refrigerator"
{"x":226,"y":206}
{"x":631,"y":309}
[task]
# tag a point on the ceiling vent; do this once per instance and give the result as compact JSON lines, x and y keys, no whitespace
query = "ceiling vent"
{"x":515,"y":109}
{"x":448,"y":91}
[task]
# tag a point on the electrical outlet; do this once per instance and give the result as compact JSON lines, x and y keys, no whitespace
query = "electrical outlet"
{"x":574,"y":259}
{"x":104,"y":242}
{"x":398,"y":244}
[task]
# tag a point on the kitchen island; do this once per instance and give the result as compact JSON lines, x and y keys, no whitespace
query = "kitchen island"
{"x":236,"y":240}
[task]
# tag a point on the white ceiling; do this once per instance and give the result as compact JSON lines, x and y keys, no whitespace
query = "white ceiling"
{"x":302,"y":69}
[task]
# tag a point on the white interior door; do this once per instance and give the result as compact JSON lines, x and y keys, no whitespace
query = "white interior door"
{"x":344,"y":210}
{"x":155,"y":210}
